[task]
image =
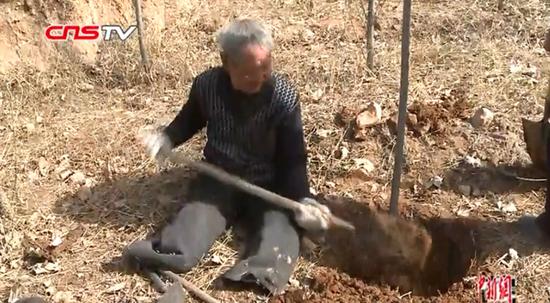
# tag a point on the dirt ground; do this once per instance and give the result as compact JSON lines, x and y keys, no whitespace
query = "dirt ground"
{"x":76,"y":187}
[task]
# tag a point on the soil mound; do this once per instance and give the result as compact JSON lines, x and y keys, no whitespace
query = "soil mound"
{"x":422,"y":257}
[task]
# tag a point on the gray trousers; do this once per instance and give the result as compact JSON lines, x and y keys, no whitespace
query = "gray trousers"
{"x":272,"y":241}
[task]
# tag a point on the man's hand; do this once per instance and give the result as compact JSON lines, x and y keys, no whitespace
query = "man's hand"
{"x":312,"y":215}
{"x":157,"y":144}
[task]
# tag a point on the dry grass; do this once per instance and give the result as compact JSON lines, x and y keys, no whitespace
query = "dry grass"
{"x":89,"y":115}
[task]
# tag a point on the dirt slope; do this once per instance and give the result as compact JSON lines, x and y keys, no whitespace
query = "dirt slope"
{"x":22,"y":25}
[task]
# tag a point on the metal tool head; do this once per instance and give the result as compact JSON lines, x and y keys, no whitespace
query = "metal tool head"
{"x":174,"y":294}
{"x":533,"y":134}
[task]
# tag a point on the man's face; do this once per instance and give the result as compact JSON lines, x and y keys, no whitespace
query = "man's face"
{"x":252,"y":71}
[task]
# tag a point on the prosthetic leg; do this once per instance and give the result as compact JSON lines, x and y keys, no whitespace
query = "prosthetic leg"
{"x":537,"y":139}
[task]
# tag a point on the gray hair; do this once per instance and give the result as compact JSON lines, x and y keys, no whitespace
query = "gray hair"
{"x":233,"y":37}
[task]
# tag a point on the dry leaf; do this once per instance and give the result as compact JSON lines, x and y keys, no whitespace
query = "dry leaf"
{"x":365,"y":164}
{"x":435,"y":181}
{"x":116,"y":288}
{"x":317,"y":94}
{"x":216,"y":260}
{"x":371,"y":115}
{"x":463,"y":212}
{"x":509,"y":207}
{"x":41,"y":268}
{"x":323,"y":133}
{"x":64,"y":175}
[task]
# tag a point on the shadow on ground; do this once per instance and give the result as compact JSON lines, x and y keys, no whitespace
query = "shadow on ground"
{"x":493,"y":179}
{"x":129,"y":201}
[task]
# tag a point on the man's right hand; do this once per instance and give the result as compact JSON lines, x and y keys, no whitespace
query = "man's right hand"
{"x":157,"y":144}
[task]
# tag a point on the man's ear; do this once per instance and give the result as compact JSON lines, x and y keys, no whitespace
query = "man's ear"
{"x":223,"y":57}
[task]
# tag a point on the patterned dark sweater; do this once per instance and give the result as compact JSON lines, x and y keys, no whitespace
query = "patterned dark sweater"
{"x":258,"y":137}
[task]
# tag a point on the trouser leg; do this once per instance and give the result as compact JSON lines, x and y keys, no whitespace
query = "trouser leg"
{"x":190,"y":234}
{"x":272,"y":248}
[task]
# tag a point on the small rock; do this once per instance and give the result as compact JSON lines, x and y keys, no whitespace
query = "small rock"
{"x":482,"y":117}
{"x":39,"y":119}
{"x":165,"y":99}
{"x":78,"y":177}
{"x":371,"y":115}
{"x":465,"y":190}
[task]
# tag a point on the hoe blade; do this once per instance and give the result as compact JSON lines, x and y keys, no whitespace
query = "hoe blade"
{"x":533,"y":134}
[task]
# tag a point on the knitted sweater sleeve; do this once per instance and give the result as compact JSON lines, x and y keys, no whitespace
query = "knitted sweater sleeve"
{"x":291,"y":158}
{"x":189,"y":120}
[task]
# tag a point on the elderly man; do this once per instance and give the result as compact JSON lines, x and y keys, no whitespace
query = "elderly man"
{"x":254,"y":130}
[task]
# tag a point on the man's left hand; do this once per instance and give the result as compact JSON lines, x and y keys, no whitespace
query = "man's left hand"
{"x":312,"y":215}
